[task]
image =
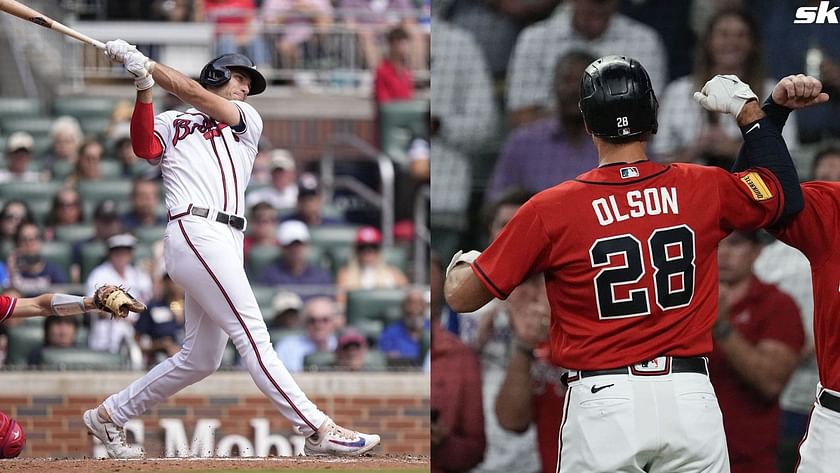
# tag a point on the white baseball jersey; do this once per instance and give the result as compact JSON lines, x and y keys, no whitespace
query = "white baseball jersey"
{"x":207,"y":163}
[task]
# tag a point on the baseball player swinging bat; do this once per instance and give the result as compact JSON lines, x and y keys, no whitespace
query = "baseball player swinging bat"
{"x":24,"y":12}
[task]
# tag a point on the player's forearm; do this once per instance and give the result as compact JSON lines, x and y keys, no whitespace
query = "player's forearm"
{"x":176,"y":83}
{"x":42,"y":306}
{"x":513,"y":402}
{"x":463,"y":291}
{"x":765,"y":372}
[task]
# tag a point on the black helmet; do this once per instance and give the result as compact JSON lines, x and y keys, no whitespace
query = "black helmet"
{"x":217,"y":72}
{"x":617,"y":99}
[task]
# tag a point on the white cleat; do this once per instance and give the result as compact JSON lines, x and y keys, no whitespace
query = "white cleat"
{"x":111,"y":436}
{"x":332,"y":439}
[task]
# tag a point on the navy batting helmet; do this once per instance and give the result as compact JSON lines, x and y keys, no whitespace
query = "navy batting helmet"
{"x":617,"y":99}
{"x":217,"y":72}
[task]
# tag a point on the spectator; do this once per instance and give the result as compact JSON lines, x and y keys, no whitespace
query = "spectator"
{"x":59,"y":332}
{"x":310,"y":204}
{"x":29,"y":272}
{"x":420,"y":153}
{"x":393,"y":80}
{"x":123,"y":150}
{"x":687,"y":133}
{"x":532,"y":392}
{"x":107,"y":334}
{"x":18,"y":158}
{"x":320,"y":316}
{"x":66,"y":210}
{"x":350,"y":352}
{"x":145,"y":200}
{"x":261,"y":172}
{"x":262,"y":227}
{"x":670,"y":20}
{"x":14,"y":213}
{"x":88,"y":166}
{"x":589,"y":25}
{"x":299,"y":20}
{"x":826,"y":165}
{"x":286,"y":307}
{"x":237,"y":29}
{"x":758,"y":337}
{"x":282,"y":193}
{"x":66,"y":138}
{"x":367,"y":268}
{"x":552,"y":150}
{"x":401,"y":340}
{"x":106,"y":223}
{"x":370,"y":18}
{"x":462,"y":103}
{"x":160,"y":329}
{"x":292,"y":268}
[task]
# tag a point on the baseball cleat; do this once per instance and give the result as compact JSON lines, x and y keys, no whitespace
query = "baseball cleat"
{"x":112,"y":436}
{"x":332,"y":439}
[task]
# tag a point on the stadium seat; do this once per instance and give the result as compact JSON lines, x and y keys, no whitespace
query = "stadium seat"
{"x":80,"y":359}
{"x":27,"y":191}
{"x":73,"y":233}
{"x":35,"y":126}
{"x":62,"y":169}
{"x":95,"y":126}
{"x":371,"y":329}
{"x":19,"y":107}
{"x":97,"y":191}
{"x":58,"y":253}
{"x":377,"y":304}
{"x":149,"y":235}
{"x":23,"y":339}
{"x":93,"y":254}
{"x":259,"y":257}
{"x":375,"y":360}
{"x":395,"y":255}
{"x":277,"y":334}
{"x":40,"y":208}
{"x":399,"y":122}
{"x":84,"y":107}
{"x":111,"y":168}
{"x":264,"y":295}
{"x":330,"y":236}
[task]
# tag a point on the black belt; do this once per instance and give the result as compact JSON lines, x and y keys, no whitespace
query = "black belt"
{"x":221,"y":217}
{"x":830,"y":401}
{"x":675,"y":365}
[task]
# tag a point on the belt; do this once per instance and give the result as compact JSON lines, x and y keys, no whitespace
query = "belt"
{"x":829,"y":401}
{"x":660,"y":366}
{"x":221,"y":217}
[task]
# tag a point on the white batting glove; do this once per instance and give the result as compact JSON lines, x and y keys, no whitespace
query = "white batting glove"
{"x":118,"y":49}
{"x":725,"y":94}
{"x":137,"y":65}
{"x":461,"y":257}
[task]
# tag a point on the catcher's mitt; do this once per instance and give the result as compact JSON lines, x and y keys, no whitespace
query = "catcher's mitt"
{"x":116,"y":301}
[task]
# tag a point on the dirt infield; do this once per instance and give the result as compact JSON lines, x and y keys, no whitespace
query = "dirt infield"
{"x":379,"y":463}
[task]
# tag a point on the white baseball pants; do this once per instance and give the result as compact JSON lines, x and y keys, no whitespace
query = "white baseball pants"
{"x":206,"y":259}
{"x":668,"y":423}
{"x":818,"y":452}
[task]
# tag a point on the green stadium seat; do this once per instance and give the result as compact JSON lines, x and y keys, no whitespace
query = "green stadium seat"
{"x":80,"y":359}
{"x":93,"y":254}
{"x":23,"y":339}
{"x":395,"y":256}
{"x":35,"y":126}
{"x":75,"y":289}
{"x":264,"y":295}
{"x":259,"y":257}
{"x":399,"y":122}
{"x":331,"y":236}
{"x":111,"y":168}
{"x":40,"y":209}
{"x":73,"y":233}
{"x":377,"y":304}
{"x":58,"y":253}
{"x":229,"y":356}
{"x":97,"y":191}
{"x":95,"y":125}
{"x":370,"y":328}
{"x":28,"y":191}
{"x":84,"y":107}
{"x":62,"y":169}
{"x":149,"y":235}
{"x":276,"y":334}
{"x":19,"y":107}
{"x":375,"y":360}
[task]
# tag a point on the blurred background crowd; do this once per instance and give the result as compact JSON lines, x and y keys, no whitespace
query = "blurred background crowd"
{"x":337,"y":205}
{"x":506,"y":124}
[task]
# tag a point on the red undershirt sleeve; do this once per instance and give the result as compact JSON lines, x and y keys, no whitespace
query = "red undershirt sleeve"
{"x":143,"y":140}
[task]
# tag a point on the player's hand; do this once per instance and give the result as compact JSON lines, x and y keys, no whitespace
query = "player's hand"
{"x":530,"y":312}
{"x":725,"y":94}
{"x":137,"y":65}
{"x":118,"y":49}
{"x":799,"y":91}
{"x":461,"y":257}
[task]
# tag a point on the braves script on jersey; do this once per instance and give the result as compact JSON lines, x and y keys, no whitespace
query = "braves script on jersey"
{"x":629,"y":254}
{"x":207,"y":163}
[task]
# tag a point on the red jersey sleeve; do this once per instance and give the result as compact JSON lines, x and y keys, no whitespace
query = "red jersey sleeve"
{"x":784,"y":325}
{"x":7,"y":306}
{"x":749,"y":200}
{"x":814,"y":230}
{"x":515,"y":253}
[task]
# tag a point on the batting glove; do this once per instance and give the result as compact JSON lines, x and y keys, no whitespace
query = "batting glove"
{"x":725,"y":94}
{"x":461,"y":257}
{"x":138,"y":65}
{"x":118,"y":49}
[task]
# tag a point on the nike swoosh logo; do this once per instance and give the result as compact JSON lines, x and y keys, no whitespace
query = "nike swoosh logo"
{"x":357,"y":443}
{"x":595,"y":389}
{"x":757,"y":125}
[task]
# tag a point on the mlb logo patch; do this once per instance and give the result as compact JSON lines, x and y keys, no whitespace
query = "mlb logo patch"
{"x":627,"y":173}
{"x":657,"y":366}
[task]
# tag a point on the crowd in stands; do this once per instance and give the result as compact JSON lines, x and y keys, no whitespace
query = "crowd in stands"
{"x":506,"y":124}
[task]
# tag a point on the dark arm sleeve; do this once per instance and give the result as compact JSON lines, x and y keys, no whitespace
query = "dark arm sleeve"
{"x":764,"y":147}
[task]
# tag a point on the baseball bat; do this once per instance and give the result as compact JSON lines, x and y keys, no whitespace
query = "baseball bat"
{"x":22,"y":11}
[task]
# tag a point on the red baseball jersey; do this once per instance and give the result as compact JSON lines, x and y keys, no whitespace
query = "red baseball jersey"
{"x":814,"y":231}
{"x":629,"y":253}
{"x":7,"y":306}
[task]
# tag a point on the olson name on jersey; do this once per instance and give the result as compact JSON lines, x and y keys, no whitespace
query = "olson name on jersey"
{"x":653,"y":201}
